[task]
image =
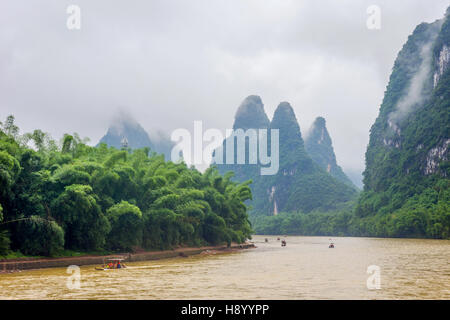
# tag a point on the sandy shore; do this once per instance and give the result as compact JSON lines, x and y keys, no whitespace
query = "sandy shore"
{"x":15,"y":265}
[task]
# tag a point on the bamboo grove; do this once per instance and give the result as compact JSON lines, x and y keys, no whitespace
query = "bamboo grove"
{"x":66,"y":196}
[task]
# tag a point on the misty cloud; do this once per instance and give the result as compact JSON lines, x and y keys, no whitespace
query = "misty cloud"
{"x":416,"y":93}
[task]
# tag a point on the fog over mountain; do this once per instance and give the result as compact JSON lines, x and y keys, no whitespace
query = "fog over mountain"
{"x":126,"y":130}
{"x":168,"y":63}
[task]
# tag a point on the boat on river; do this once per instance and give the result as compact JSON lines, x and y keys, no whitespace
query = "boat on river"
{"x":113,"y":264}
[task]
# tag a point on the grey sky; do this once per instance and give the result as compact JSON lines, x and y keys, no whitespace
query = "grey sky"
{"x":172,"y":62}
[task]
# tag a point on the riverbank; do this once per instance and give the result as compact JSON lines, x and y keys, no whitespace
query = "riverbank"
{"x":17,"y":265}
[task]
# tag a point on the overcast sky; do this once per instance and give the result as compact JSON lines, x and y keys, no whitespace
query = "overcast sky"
{"x":171,"y":62}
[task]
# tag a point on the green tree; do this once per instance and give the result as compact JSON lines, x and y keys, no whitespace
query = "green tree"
{"x":39,"y":236}
{"x":126,"y":226}
{"x":85,"y":225}
{"x":4,"y":238}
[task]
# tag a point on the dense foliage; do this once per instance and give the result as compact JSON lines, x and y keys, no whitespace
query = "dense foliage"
{"x":314,"y":223}
{"x":70,"y":196}
{"x":425,"y":215}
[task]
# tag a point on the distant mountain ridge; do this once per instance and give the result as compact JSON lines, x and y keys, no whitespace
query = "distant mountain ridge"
{"x":320,"y":148}
{"x":136,"y":137}
{"x":300,"y":184}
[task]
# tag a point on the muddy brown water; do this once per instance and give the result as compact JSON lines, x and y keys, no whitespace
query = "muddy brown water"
{"x":305,"y":269}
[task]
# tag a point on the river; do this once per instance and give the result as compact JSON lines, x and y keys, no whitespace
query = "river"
{"x":305,"y":269}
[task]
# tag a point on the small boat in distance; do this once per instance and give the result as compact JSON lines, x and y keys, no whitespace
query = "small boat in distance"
{"x":113,"y":263}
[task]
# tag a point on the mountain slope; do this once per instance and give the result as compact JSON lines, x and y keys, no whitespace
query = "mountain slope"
{"x":250,"y":115}
{"x":299,"y":184}
{"x":126,"y":128}
{"x":136,"y":137}
{"x":406,"y":181}
{"x":320,"y":148}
